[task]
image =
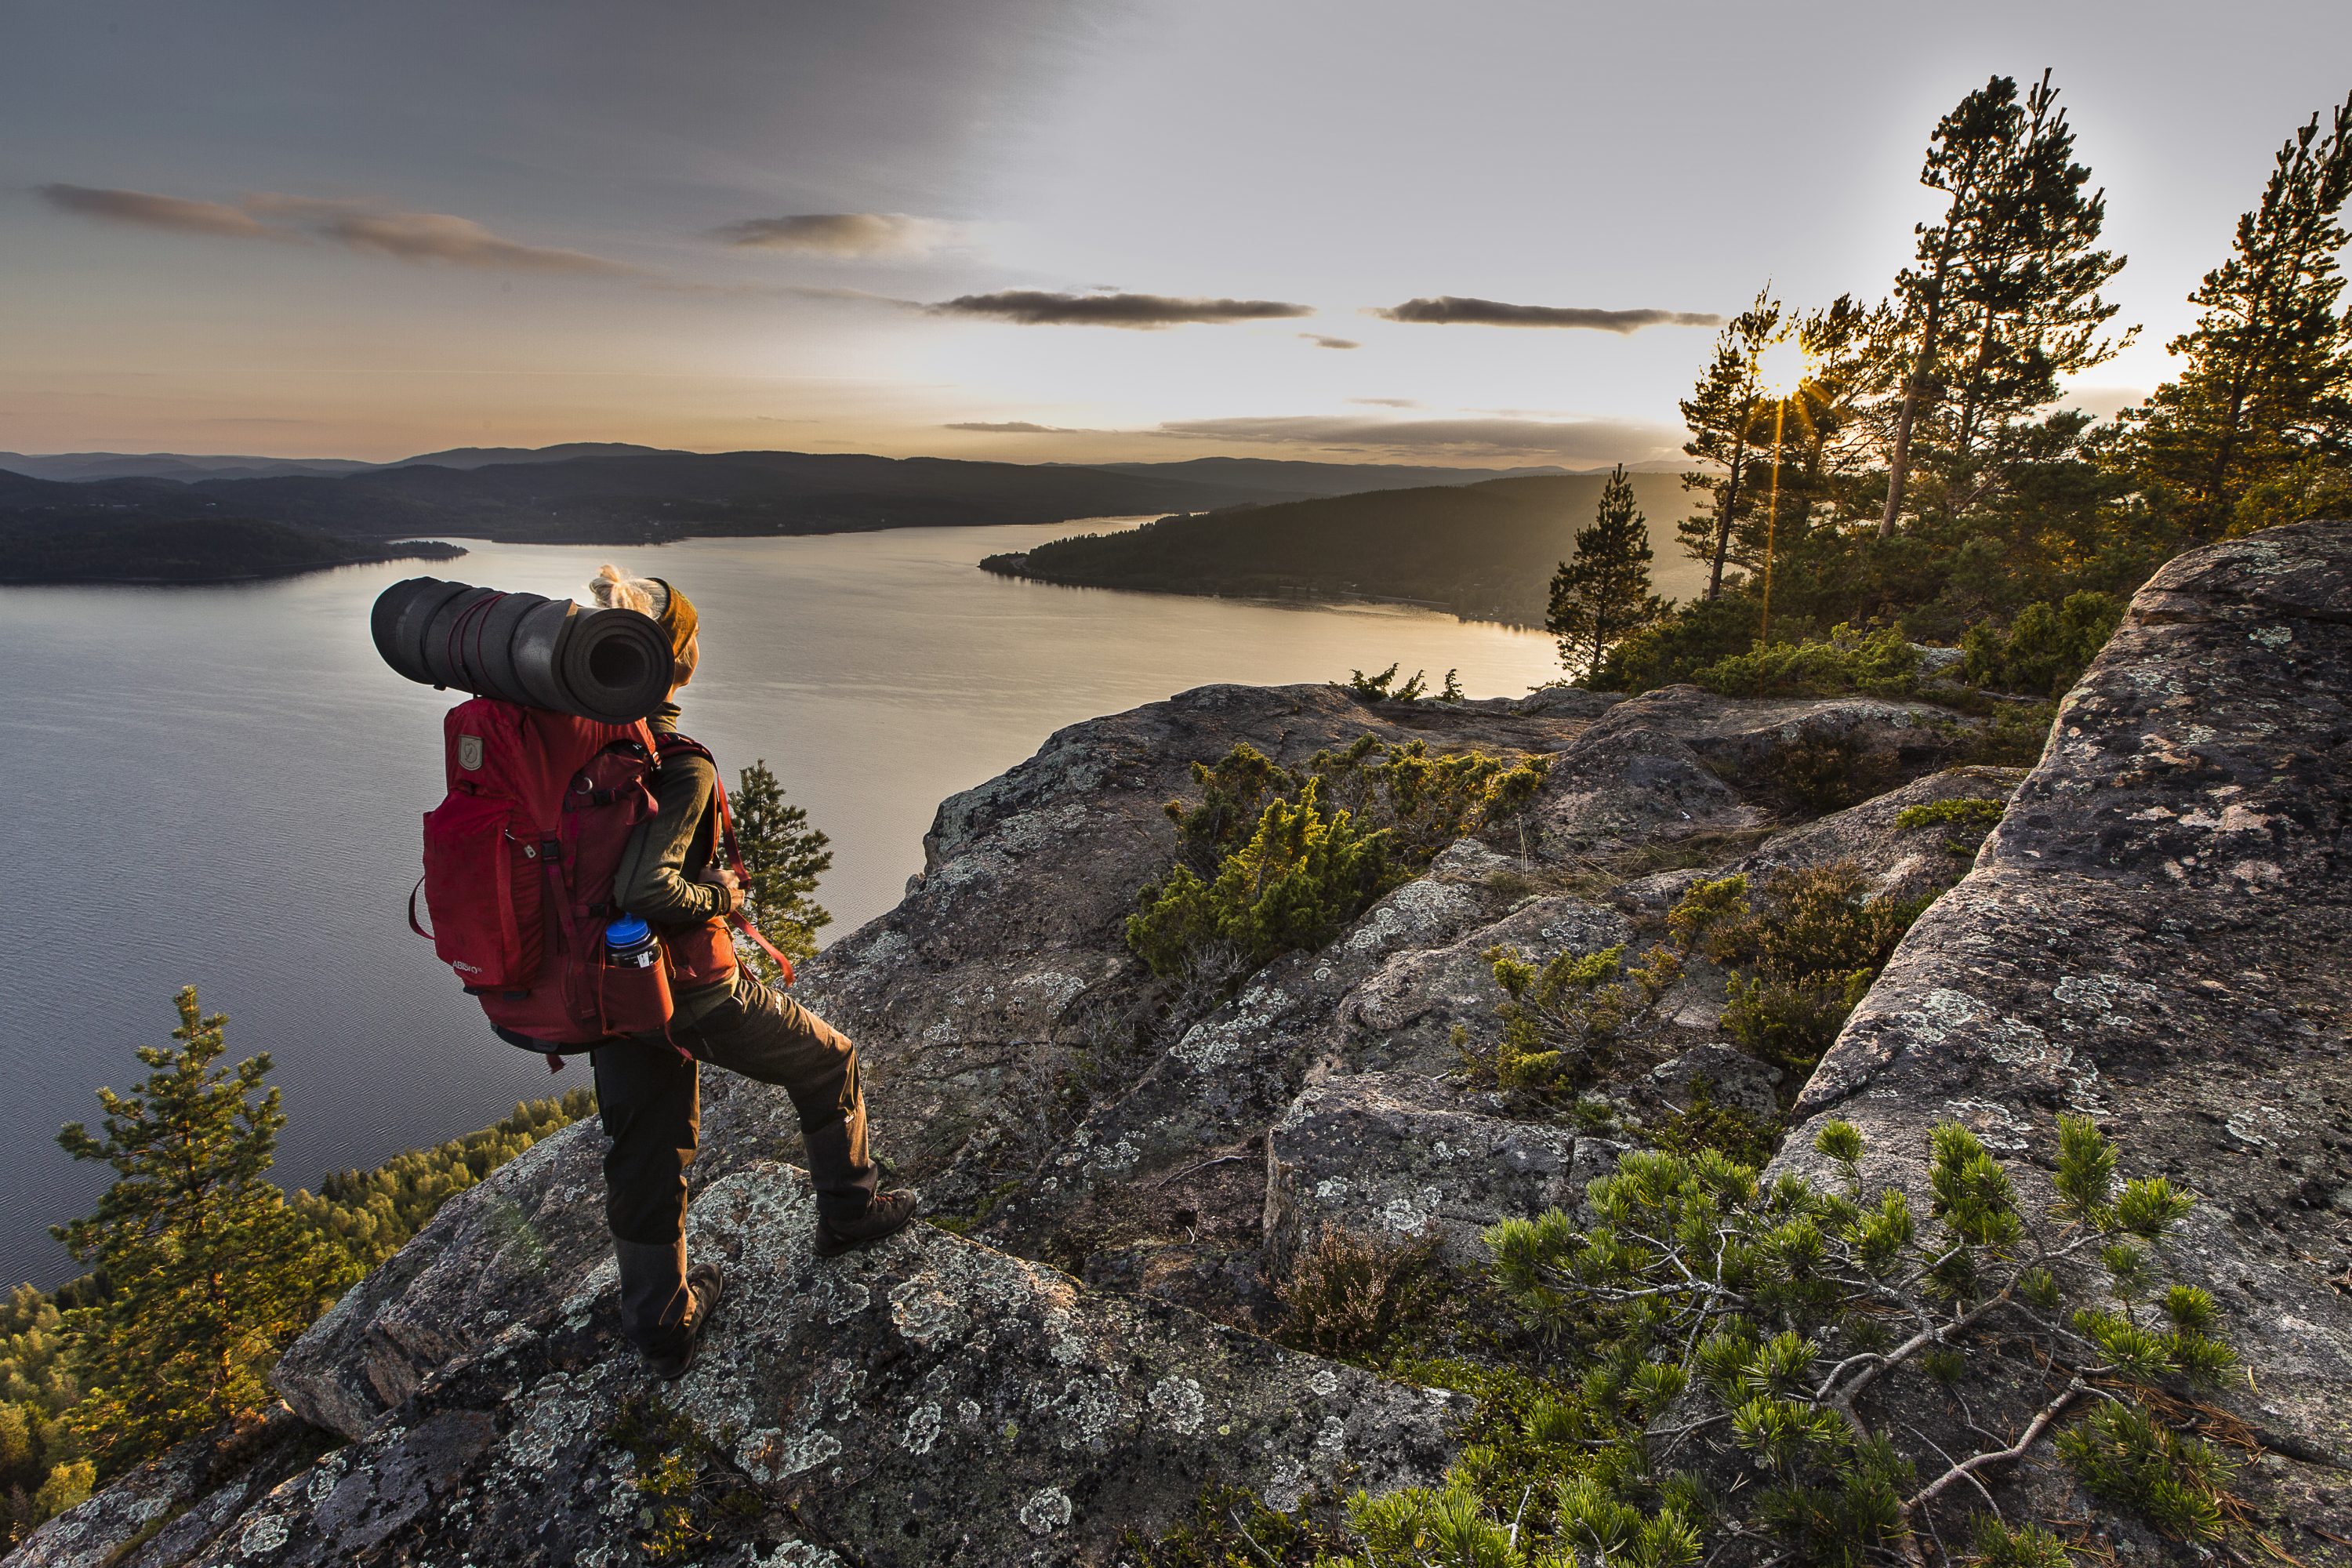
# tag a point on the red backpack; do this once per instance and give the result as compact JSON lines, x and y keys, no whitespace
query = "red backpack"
{"x":520,"y":860}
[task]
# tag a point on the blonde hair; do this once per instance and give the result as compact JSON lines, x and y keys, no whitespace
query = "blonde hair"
{"x":616,"y":590}
{"x":613,"y":589}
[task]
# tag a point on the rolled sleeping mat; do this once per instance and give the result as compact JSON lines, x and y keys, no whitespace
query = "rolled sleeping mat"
{"x":617,"y":664}
{"x":496,"y":665}
{"x":613,"y":667}
{"x":444,"y":636}
{"x":538,"y":644}
{"x":399,"y":618}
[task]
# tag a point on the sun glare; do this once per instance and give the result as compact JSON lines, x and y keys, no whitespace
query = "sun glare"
{"x":1782,"y":368}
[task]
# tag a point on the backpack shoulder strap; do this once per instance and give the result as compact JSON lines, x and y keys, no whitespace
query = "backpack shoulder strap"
{"x":670,"y":744}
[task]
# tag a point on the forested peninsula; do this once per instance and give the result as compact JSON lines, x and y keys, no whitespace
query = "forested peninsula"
{"x":137,"y":550}
{"x":1483,"y":552}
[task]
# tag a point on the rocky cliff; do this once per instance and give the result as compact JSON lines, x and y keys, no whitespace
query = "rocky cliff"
{"x":1122,"y":1170}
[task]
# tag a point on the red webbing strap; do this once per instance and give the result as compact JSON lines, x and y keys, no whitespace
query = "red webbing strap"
{"x":412,"y":910}
{"x":454,"y":647}
{"x":738,"y":919}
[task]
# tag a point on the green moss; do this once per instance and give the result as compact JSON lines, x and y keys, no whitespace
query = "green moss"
{"x":1274,"y":859}
{"x":690,"y":1502}
{"x":1968,"y":812}
{"x":2045,"y":648}
{"x":1881,"y":663}
{"x":1231,"y":1527}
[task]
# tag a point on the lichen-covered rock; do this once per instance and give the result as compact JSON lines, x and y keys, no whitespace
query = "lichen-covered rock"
{"x":166,"y":1510}
{"x":2159,"y":936}
{"x":1726,"y":1074}
{"x":1100,"y":1202}
{"x":1810,"y":749}
{"x":998,"y":1004}
{"x":1379,"y":1154}
{"x":1900,"y":862}
{"x":931,"y":1401}
{"x":1405,"y":1016}
{"x":1052,"y":1098}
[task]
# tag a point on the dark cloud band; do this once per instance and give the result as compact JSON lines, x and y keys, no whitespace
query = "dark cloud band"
{"x":844,"y":234}
{"x":1452,"y":310}
{"x":406,"y":235}
{"x":1582,"y":442}
{"x":1033,"y":308}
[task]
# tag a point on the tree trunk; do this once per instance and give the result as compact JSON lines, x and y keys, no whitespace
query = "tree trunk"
{"x":1899,"y":464}
{"x":1898,"y":468}
{"x":1730,"y":510}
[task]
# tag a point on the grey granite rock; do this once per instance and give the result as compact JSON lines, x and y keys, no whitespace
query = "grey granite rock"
{"x":176,"y":1505}
{"x":1900,"y":862}
{"x":931,"y":1401}
{"x":1381,"y":1155}
{"x":2159,"y":936}
{"x":1729,"y":1077}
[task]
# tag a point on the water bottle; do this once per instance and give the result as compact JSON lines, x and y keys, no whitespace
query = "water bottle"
{"x":633,"y":988}
{"x":630,"y":943}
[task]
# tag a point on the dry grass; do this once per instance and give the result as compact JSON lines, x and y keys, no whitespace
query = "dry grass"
{"x":1348,"y":1296}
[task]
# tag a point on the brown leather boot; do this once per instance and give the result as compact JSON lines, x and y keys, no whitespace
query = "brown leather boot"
{"x":664,"y":1306}
{"x":707,"y":1285}
{"x":850,"y":1213}
{"x":885,"y":1217}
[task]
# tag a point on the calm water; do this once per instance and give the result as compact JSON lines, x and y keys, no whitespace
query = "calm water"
{"x":223,"y":786}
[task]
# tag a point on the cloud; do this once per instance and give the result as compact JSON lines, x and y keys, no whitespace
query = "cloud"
{"x":838,"y":234}
{"x":1012,"y":427}
{"x":1586,"y":442}
{"x":151,"y":211}
{"x":1034,"y":307}
{"x":353,"y":226}
{"x":1320,"y":341}
{"x":1387,"y":402}
{"x":1451,"y":310}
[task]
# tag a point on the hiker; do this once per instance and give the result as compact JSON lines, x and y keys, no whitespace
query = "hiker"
{"x":648,"y":1092}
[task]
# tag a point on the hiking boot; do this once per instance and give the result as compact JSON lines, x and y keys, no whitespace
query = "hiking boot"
{"x":708,"y":1285}
{"x":885,"y":1217}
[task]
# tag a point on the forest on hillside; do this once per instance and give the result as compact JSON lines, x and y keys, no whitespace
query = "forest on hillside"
{"x":198,"y":549}
{"x":1485,"y":551}
{"x":1904,"y":467}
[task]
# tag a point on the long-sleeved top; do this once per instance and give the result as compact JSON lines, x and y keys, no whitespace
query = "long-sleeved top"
{"x":658,"y":878}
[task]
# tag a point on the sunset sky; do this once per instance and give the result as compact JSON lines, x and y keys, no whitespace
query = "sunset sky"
{"x":1028,"y":229}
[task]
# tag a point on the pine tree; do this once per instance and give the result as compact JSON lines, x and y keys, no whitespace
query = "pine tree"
{"x":2267,"y":386}
{"x":2031,"y":283}
{"x":786,"y":857}
{"x":1722,"y":412}
{"x":2001,"y":298}
{"x":206,"y":1272}
{"x":1602,"y":595}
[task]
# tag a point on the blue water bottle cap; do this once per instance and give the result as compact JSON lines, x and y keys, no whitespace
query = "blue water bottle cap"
{"x":626,"y":932}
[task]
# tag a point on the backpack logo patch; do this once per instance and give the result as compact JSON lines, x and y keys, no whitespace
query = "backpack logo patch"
{"x":469,"y":752}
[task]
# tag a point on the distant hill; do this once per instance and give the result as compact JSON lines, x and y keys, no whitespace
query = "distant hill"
{"x":198,"y":549}
{"x":483,"y":456}
{"x":1277,"y":477}
{"x":1486,"y":552}
{"x":614,"y":493}
{"x":639,"y":495}
{"x":80,"y":466}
